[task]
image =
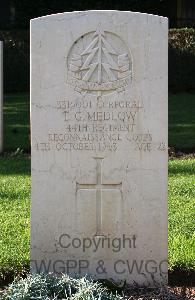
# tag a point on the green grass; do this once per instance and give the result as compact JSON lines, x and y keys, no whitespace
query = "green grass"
{"x":15,"y":215}
{"x":182,"y":121}
{"x":16,"y":122}
{"x":182,"y":214}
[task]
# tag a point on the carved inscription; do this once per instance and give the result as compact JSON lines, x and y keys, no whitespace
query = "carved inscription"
{"x":142,"y":141}
{"x":99,"y":126}
{"x":93,"y":125}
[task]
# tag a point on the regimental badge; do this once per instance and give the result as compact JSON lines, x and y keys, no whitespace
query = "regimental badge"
{"x":99,"y":63}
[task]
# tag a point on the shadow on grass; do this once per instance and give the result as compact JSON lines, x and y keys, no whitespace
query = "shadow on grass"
{"x":16,"y":122}
{"x":14,"y":164}
{"x":182,"y":167}
{"x":181,"y":121}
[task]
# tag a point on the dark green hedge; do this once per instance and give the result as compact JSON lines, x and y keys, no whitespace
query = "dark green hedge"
{"x":16,"y":60}
{"x":29,"y":9}
{"x":181,"y":60}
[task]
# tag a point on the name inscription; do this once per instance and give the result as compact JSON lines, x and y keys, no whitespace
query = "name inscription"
{"x":99,"y":126}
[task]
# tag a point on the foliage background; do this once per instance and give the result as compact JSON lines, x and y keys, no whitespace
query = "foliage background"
{"x":182,"y":59}
{"x":28,"y":9}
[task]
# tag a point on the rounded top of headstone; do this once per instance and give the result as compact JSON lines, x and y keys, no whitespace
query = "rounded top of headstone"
{"x":77,"y":14}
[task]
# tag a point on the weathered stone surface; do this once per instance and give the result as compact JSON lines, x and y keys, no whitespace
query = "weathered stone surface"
{"x":1,"y":96}
{"x":99,"y":145}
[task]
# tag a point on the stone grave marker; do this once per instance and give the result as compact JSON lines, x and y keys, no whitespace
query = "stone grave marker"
{"x":99,"y":145}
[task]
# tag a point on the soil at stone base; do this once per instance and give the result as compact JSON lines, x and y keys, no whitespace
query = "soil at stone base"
{"x":174,"y":153}
{"x":165,"y":293}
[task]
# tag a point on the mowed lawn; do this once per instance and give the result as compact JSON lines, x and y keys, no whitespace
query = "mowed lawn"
{"x":16,"y":122}
{"x":182,"y":122}
{"x":14,"y":214}
{"x":181,"y":214}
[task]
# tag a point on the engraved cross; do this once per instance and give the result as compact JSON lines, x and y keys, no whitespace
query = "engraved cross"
{"x":99,"y":187}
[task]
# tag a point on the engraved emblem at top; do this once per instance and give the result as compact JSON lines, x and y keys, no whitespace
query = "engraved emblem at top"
{"x":99,"y":62}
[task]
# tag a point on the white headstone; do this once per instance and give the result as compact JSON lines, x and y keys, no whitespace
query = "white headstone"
{"x":1,"y":96}
{"x":99,"y":145}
